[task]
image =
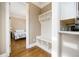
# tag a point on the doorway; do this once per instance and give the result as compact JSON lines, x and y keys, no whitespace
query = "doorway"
{"x":17,"y":27}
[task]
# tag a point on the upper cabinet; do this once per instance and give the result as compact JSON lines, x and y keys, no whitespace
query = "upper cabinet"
{"x":67,"y":10}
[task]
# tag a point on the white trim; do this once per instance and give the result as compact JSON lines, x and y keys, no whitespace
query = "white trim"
{"x":49,"y":11}
{"x":27,"y":26}
{"x":7,"y":30}
{"x":56,"y":27}
{"x":42,"y":38}
{"x":43,"y":48}
{"x":32,"y":45}
{"x":23,"y":18}
{"x":41,"y":4}
{"x":36,"y":44}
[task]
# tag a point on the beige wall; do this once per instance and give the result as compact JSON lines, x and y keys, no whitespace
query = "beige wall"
{"x":17,"y":23}
{"x":2,"y":29}
{"x":46,"y":8}
{"x":35,"y":26}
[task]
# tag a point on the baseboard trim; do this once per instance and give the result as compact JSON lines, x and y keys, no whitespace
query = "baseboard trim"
{"x":44,"y":49}
{"x":35,"y":44}
{"x":32,"y":45}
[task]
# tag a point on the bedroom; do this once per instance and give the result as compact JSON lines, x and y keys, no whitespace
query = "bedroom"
{"x":17,"y":27}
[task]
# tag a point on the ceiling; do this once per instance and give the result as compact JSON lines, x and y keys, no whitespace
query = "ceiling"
{"x":41,"y":4}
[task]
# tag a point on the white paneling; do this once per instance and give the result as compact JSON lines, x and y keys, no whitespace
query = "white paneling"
{"x":46,"y":29}
{"x":44,"y":40}
{"x":46,"y":24}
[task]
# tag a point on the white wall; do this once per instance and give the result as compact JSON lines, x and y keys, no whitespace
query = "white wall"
{"x":4,"y":41}
{"x":18,"y":9}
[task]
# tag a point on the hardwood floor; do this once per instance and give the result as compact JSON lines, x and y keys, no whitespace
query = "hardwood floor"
{"x":18,"y":49}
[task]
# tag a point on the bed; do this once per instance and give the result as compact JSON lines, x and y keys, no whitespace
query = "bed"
{"x":19,"y":34}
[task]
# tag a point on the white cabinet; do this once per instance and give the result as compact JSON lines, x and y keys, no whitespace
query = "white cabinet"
{"x":67,"y":10}
{"x":77,"y":9}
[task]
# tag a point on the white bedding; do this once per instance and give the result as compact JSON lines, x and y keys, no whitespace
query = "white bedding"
{"x":19,"y":34}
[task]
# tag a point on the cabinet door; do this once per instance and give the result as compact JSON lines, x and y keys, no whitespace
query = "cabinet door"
{"x":67,"y":10}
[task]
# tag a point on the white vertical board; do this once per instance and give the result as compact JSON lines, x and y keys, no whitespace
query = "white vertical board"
{"x":27,"y":26}
{"x":55,"y":29}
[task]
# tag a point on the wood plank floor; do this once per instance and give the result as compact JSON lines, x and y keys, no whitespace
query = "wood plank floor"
{"x":18,"y":49}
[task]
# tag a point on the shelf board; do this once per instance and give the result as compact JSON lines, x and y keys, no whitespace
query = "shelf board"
{"x":69,"y":32}
{"x":44,"y":39}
